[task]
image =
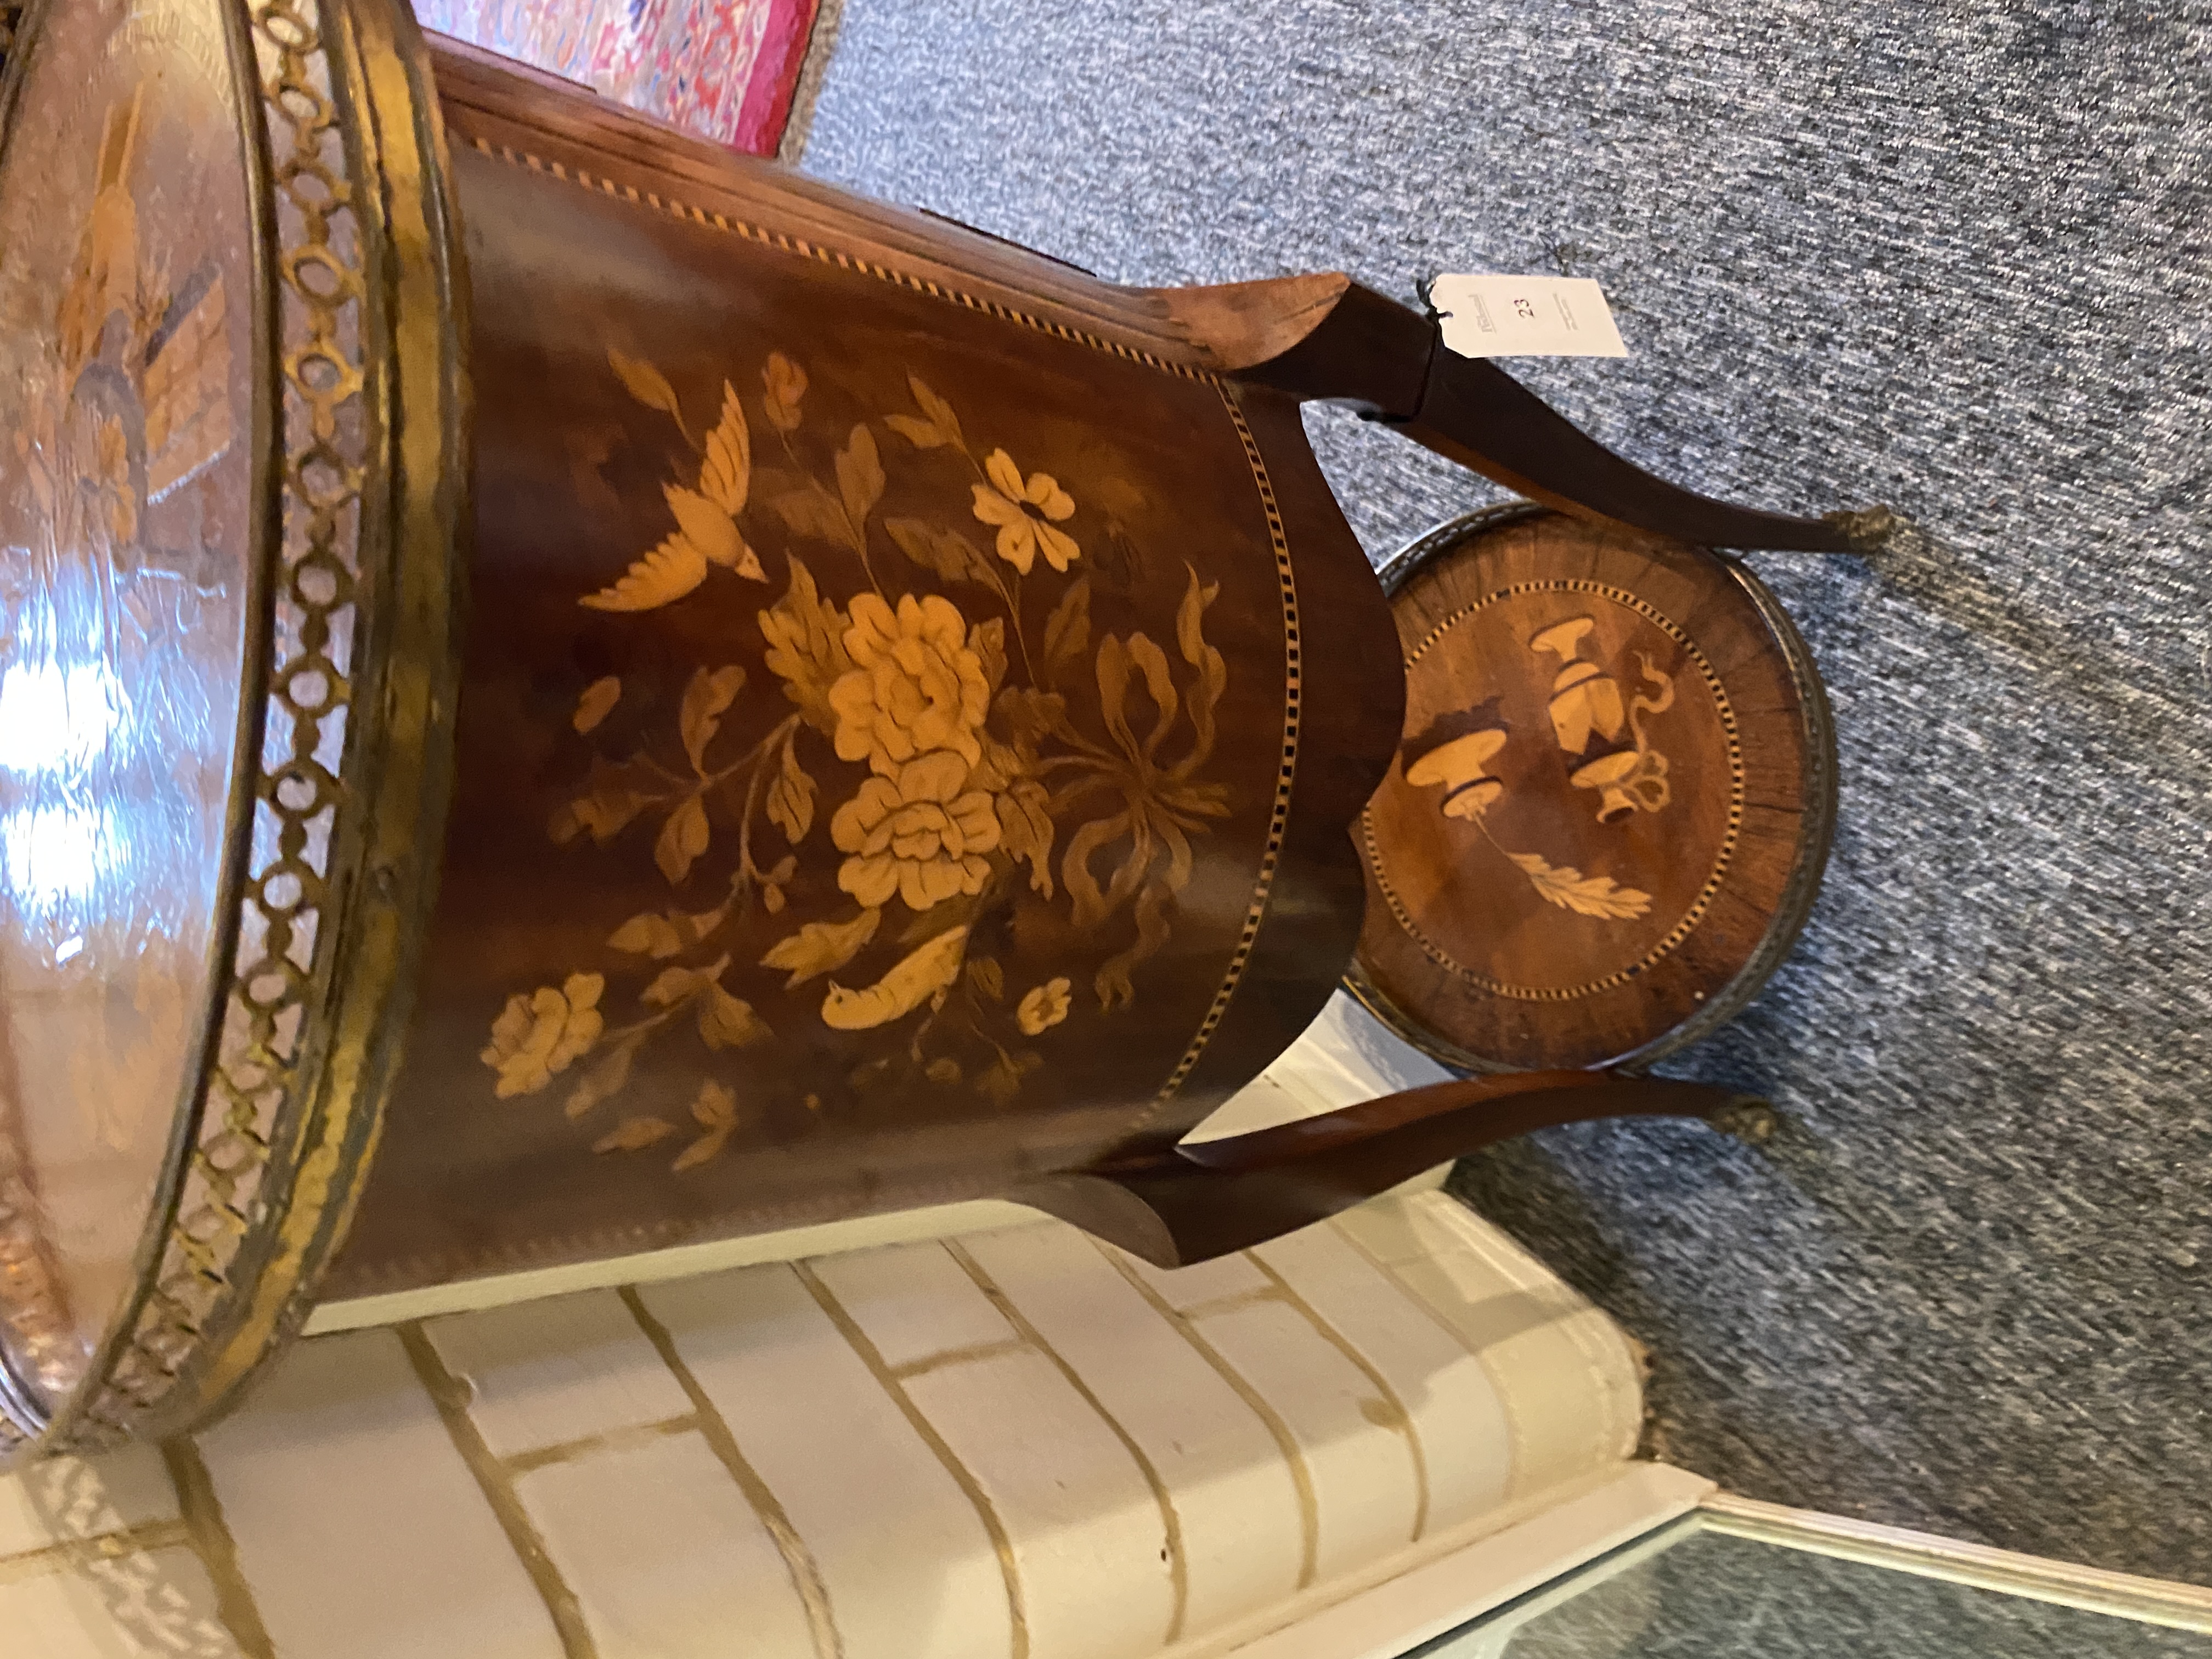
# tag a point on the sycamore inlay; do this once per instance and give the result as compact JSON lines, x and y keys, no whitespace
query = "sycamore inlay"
{"x":1602,"y":737}
{"x":996,"y":761}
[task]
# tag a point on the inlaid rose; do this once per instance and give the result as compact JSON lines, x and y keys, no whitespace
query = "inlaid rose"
{"x":535,"y":1037}
{"x":920,"y":834}
{"x":916,"y":683}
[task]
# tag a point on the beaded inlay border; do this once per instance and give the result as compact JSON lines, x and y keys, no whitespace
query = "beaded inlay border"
{"x":805,"y":249}
{"x":1279,"y":816}
{"x":1695,"y":913}
{"x":1285,"y":776}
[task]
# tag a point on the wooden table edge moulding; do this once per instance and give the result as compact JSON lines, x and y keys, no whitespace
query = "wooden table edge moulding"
{"x":564,"y":691}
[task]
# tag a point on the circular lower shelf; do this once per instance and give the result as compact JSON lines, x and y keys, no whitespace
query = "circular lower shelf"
{"x":1610,"y":811}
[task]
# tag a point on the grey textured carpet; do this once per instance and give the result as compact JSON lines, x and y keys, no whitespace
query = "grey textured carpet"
{"x":1950,"y":257}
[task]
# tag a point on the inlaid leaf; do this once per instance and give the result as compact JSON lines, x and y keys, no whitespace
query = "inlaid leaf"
{"x":1586,"y":895}
{"x":1003,"y":1080}
{"x":946,"y":554}
{"x":812,"y":511}
{"x":987,"y":639}
{"x":859,"y":477}
{"x":922,"y":435}
{"x":635,"y":1134}
{"x":1025,"y":830}
{"x":805,"y":636}
{"x":999,"y":767}
{"x":715,"y":1110}
{"x":683,"y":838}
{"x":677,"y":985}
{"x":820,"y":946}
{"x":614,"y":794}
{"x":728,"y":1022}
{"x":986,"y":976}
{"x":598,"y":702}
{"x":705,"y":700}
{"x":649,"y":935}
{"x":791,"y":797}
{"x":696,"y":927}
{"x":671,"y":985}
{"x":785,"y":384}
{"x":935,"y":427}
{"x":647,"y":384}
{"x":700,"y":1151}
{"x":944,"y":1069}
{"x":603,"y":1082}
{"x":716,"y":1106}
{"x":936,"y":408}
{"x":1031,"y":715}
{"x":1068,"y":631}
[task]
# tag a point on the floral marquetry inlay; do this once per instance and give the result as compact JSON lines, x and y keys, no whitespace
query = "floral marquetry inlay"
{"x":1609,"y":811}
{"x":947,"y":734}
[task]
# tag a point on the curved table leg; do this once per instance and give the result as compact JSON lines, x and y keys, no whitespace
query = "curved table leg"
{"x":1473,"y":412}
{"x":1328,"y":339}
{"x":1176,"y":1205}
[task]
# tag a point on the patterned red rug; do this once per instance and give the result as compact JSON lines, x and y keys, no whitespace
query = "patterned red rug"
{"x":726,"y":69}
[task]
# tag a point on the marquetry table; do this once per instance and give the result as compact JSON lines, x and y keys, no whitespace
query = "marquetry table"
{"x":565,"y":691}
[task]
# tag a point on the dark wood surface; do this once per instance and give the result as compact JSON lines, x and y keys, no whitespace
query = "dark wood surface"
{"x":909,"y":700}
{"x":1608,"y":815}
{"x":1326,"y":338}
{"x":1206,"y":1199}
{"x":1317,"y":336}
{"x":626,"y":1036}
{"x":724,"y":946}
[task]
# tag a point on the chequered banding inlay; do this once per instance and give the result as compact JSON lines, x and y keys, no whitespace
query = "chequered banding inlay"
{"x":805,"y":249}
{"x":1279,"y":820}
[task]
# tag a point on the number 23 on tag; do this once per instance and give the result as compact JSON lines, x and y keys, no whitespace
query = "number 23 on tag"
{"x":1525,"y":317}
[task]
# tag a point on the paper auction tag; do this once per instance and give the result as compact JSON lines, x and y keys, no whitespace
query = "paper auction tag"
{"x":1525,"y":317}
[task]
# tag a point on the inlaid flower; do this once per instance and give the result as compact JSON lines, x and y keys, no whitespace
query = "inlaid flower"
{"x":921,"y":834}
{"x":1026,"y":512}
{"x":916,"y":684}
{"x":535,"y":1037}
{"x":1044,"y":1007}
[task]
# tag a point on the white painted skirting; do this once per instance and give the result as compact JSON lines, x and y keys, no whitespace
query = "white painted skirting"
{"x":1461,"y":1578}
{"x":1018,"y":1443}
